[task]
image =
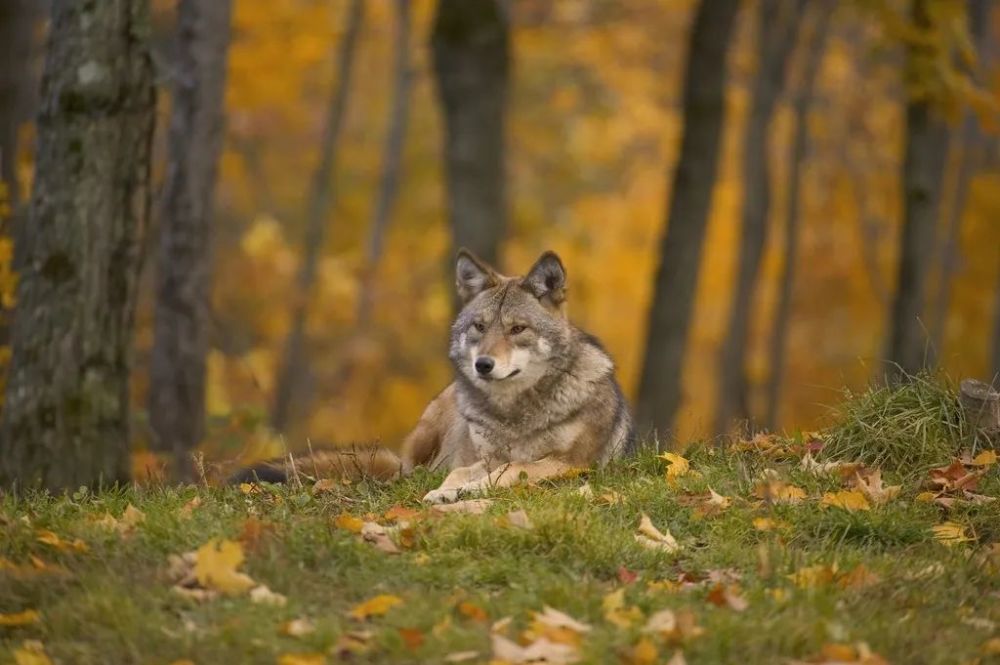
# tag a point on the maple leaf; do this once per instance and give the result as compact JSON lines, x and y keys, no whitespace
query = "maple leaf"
{"x":555,"y":619}
{"x":375,"y":607}
{"x":809,"y":464}
{"x":871,"y":486}
{"x":25,"y":618}
{"x":651,"y":537}
{"x":679,"y":466}
{"x":950,"y":533}
{"x":955,"y":477}
{"x":215,"y":568}
{"x":849,"y":500}
{"x":379,"y":536}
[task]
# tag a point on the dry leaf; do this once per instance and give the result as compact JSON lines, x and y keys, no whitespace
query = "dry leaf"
{"x":679,"y":466}
{"x":297,"y":627}
{"x":556,"y":619}
{"x":188,"y":508}
{"x":950,"y":533}
{"x":471,"y":506}
{"x":302,"y":659}
{"x":860,"y":577}
{"x":461,"y":656}
{"x":264,"y":596}
{"x":32,"y":652}
{"x":611,"y":498}
{"x":348,"y":523}
{"x":727,"y":595}
{"x":24,"y":618}
{"x":985,"y":458}
{"x":324,"y":485}
{"x":472,"y":611}
{"x":769,"y":524}
{"x":401,"y":514}
{"x":871,"y":486}
{"x":615,"y":611}
{"x":811,"y":577}
{"x":674,"y":627}
{"x":352,"y":643}
{"x":47,"y":537}
{"x":842,"y":654}
{"x":955,"y":477}
{"x":651,"y":537}
{"x":849,"y":500}
{"x":412,"y":637}
{"x":375,"y":607}
{"x":644,"y":653}
{"x":777,"y":491}
{"x":539,"y":651}
{"x":215,"y":568}
{"x":991,"y":647}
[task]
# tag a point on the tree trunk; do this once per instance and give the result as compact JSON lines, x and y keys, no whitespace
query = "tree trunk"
{"x":392,"y":162}
{"x":965,"y":143}
{"x":471,"y":47}
{"x":320,"y":201}
{"x":690,"y":199}
{"x":778,"y":25}
{"x":183,"y":286}
{"x":800,"y":147}
{"x":17,"y":23}
{"x":65,"y":421}
{"x":995,"y":344}
{"x":923,"y":163}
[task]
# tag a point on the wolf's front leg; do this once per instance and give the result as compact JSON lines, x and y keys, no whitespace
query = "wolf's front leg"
{"x":456,"y":483}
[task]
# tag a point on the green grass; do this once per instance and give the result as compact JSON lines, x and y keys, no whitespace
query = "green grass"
{"x":116,"y":605}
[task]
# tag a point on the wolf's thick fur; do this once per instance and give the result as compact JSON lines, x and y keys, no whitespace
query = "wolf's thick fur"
{"x":533,"y":395}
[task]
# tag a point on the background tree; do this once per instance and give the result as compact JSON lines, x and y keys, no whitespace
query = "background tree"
{"x":65,"y":419}
{"x":687,"y":217}
{"x":183,"y":286}
{"x":777,"y":27}
{"x":814,"y":48}
{"x":925,"y":149}
{"x":471,"y":47}
{"x":319,"y":202}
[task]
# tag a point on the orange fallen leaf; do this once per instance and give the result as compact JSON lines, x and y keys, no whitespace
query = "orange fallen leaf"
{"x":850,"y":500}
{"x":25,"y":618}
{"x":402,"y":514}
{"x":412,"y":637}
{"x":375,"y":607}
{"x":472,"y":611}
{"x":349,"y":523}
{"x":727,"y":596}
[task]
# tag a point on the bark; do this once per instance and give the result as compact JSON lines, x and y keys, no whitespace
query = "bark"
{"x":392,"y":162}
{"x":800,"y":147}
{"x":995,"y":344}
{"x":320,"y":201}
{"x":65,"y":421}
{"x":778,"y":25}
{"x":691,"y":196}
{"x":923,"y":164}
{"x":471,"y":50}
{"x":17,"y":18}
{"x":965,"y":142}
{"x":183,"y":284}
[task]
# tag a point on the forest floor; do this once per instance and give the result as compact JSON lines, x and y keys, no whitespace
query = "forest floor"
{"x":754,"y":552}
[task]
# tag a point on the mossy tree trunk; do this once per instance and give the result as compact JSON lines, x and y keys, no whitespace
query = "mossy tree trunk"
{"x":65,"y":417}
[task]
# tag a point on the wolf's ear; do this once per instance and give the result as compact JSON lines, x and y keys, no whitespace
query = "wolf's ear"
{"x":473,"y":275}
{"x":547,"y":279}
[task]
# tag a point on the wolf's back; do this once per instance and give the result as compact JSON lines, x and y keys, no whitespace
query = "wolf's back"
{"x":354,"y":463}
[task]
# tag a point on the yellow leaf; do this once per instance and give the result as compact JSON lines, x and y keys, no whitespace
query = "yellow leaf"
{"x":985,"y":458}
{"x":216,"y":567}
{"x":811,"y":577}
{"x":32,"y":652}
{"x":375,"y":607}
{"x":849,"y":500}
{"x":49,"y":538}
{"x":678,"y":465}
{"x":926,"y":497}
{"x":950,"y":533}
{"x":20,"y":618}
{"x":644,"y":653}
{"x":769,"y":524}
{"x":297,"y":627}
{"x":615,"y":611}
{"x":651,"y":537}
{"x":349,"y":523}
{"x":302,"y":659}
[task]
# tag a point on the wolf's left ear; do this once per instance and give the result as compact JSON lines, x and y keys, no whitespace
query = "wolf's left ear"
{"x":547,"y":279}
{"x":473,"y":275}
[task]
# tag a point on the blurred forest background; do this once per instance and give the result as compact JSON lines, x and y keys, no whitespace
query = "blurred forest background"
{"x":758,"y":203}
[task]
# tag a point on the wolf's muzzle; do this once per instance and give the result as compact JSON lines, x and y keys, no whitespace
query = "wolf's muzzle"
{"x":484,"y":365}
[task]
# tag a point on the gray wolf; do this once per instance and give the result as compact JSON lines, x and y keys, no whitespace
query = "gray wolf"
{"x":533,"y":397}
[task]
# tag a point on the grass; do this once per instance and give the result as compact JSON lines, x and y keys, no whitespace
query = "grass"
{"x":926,"y":602}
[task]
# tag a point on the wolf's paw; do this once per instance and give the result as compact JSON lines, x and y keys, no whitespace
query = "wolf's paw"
{"x":442,"y":495}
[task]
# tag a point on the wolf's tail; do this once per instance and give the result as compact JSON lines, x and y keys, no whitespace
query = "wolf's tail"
{"x":354,"y":463}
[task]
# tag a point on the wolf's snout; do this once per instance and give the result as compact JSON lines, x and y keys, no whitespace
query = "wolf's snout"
{"x":484,"y":365}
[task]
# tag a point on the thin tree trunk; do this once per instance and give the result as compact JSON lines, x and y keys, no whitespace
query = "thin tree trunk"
{"x":800,"y":148}
{"x":965,"y":144}
{"x":320,"y":201}
{"x":778,"y":25}
{"x":392,"y":162}
{"x":183,"y":286}
{"x":65,"y":421}
{"x":926,"y":146}
{"x":690,"y":200}
{"x":471,"y":48}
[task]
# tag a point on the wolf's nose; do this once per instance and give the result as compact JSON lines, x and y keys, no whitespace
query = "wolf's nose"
{"x":484,"y":365}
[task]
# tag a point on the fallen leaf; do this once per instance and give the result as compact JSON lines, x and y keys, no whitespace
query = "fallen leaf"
{"x":954,"y":477}
{"x":215,"y":568}
{"x":991,"y":647}
{"x":375,"y":607}
{"x":679,"y":466}
{"x":378,"y":535}
{"x":473,"y":611}
{"x":539,"y":651}
{"x":297,"y":628}
{"x":461,"y":656}
{"x":352,"y":643}
{"x":252,"y":532}
{"x":626,"y":576}
{"x":644,"y":653}
{"x":555,"y":619}
{"x":400,"y":513}
{"x":859,"y":577}
{"x":25,"y":618}
{"x":775,"y":490}
{"x":849,"y":500}
{"x":32,"y":652}
{"x":651,"y":537}
{"x":950,"y":533}
{"x":985,"y":458}
{"x":611,"y":498}
{"x":842,"y":654}
{"x":264,"y":596}
{"x":871,"y":486}
{"x":816,"y":468}
{"x":348,"y":523}
{"x":324,"y":485}
{"x":470,"y":506}
{"x":811,"y":577}
{"x":615,"y":611}
{"x":769,"y":524}
{"x":188,"y":508}
{"x":674,"y":627}
{"x":727,"y":595}
{"x":412,"y":637}
{"x":302,"y":659}
{"x":47,"y":537}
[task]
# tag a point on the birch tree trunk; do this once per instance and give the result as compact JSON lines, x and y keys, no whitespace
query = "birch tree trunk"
{"x":65,"y":418}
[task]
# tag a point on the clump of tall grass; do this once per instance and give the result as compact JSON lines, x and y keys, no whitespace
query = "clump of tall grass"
{"x":906,"y":427}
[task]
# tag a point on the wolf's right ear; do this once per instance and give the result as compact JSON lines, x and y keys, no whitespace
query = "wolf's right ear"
{"x":473,"y":275}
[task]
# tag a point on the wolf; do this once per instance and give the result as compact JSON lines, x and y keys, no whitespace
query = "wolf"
{"x":533,"y":397}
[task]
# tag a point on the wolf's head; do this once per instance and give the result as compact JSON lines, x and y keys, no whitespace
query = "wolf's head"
{"x":511,"y":330}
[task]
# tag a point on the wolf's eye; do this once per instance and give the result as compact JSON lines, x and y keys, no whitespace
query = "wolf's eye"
{"x":517,"y":330}
{"x":479,"y":326}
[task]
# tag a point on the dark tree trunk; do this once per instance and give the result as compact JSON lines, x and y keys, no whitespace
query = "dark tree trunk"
{"x":320,"y":201}
{"x":17,"y":19}
{"x":183,"y":285}
{"x":778,"y":25}
{"x":65,"y":419}
{"x":471,"y":46}
{"x":965,"y":142}
{"x":690,"y":199}
{"x":923,"y":164}
{"x":815,"y":49}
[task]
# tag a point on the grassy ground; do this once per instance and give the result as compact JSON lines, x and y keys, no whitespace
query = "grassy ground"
{"x":812,"y":575}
